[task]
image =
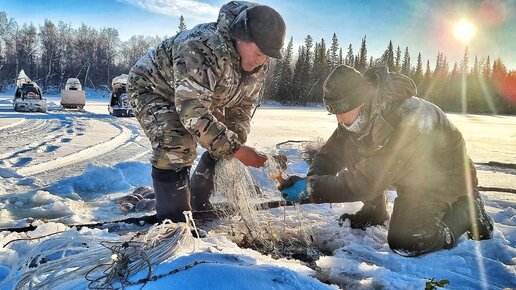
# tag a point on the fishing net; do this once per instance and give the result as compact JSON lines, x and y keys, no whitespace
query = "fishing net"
{"x":241,"y":194}
{"x":105,"y":262}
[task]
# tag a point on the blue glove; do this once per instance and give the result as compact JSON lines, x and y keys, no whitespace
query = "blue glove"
{"x":296,"y":192}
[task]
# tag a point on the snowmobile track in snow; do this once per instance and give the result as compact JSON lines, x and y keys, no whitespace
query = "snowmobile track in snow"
{"x":82,"y":155}
{"x":17,"y":123}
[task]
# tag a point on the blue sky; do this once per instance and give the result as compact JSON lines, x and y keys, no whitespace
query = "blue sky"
{"x":423,"y":26}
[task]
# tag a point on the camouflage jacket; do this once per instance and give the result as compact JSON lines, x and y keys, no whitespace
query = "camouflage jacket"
{"x":199,"y":71}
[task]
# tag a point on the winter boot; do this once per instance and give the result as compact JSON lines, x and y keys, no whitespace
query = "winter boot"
{"x":482,"y":226}
{"x":371,"y":214}
{"x":459,"y":220}
{"x":202,"y":183}
{"x":172,"y":188}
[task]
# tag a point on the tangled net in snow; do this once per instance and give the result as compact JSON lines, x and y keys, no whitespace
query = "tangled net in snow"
{"x":236,"y":193}
{"x":237,"y":196}
{"x":105,"y":262}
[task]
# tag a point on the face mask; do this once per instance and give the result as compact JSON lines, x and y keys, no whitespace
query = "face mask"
{"x":360,"y":123}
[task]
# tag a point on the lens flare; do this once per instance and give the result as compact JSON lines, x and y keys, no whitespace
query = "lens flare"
{"x":464,"y":31}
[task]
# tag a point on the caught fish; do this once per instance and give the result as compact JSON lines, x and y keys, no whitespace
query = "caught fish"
{"x":145,"y":205}
{"x":142,"y":190}
{"x":149,"y":194}
{"x":280,"y":166}
{"x":131,"y":198}
{"x":142,"y":199}
{"x":139,"y":196}
{"x":126,"y":207}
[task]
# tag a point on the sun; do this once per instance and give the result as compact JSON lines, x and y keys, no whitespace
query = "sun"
{"x":464,"y":31}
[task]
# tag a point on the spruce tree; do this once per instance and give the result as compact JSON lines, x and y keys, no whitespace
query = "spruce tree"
{"x":487,"y":68}
{"x":427,"y":81}
{"x":334,"y":50}
{"x":405,"y":67}
{"x":464,"y":74}
{"x":319,"y":71}
{"x":418,"y":73}
{"x":361,"y":64}
{"x":307,"y":65}
{"x":285,"y":79}
{"x":397,"y":61}
{"x":297,"y":81}
{"x":350,"y":58}
{"x":182,"y":25}
{"x":388,"y":57}
{"x":464,"y":65}
{"x":499,"y":70}
{"x":476,"y":67}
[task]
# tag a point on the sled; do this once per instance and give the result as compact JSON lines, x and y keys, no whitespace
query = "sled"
{"x":28,"y":96}
{"x":73,"y":97}
{"x":119,"y":100}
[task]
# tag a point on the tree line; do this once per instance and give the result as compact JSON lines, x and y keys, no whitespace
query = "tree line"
{"x":53,"y":52}
{"x":473,"y":85}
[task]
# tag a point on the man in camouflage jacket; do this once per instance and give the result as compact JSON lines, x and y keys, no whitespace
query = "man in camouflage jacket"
{"x":200,"y":86}
{"x":388,"y":137}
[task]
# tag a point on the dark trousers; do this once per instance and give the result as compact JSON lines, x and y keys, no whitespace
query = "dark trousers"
{"x":419,"y":227}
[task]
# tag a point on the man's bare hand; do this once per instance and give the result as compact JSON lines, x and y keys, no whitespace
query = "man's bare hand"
{"x":249,"y":157}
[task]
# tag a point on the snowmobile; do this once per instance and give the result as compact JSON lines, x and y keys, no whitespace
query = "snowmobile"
{"x":28,"y":96}
{"x":73,"y":97}
{"x":119,"y":101}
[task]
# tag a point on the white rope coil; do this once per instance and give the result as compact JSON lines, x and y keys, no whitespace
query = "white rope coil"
{"x":103,"y":261}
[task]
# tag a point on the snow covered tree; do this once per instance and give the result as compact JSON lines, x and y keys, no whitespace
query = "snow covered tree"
{"x":107,"y":43}
{"x":84,"y":46}
{"x":134,"y":48}
{"x":48,"y":36}
{"x":65,"y":54}
{"x":26,"y":42}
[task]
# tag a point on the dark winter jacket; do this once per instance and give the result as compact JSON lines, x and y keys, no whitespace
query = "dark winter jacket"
{"x":409,"y":144}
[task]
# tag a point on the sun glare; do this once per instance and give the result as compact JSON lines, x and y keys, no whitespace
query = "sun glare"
{"x":464,"y":31}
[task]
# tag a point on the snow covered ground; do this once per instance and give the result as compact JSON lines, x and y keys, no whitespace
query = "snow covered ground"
{"x":68,"y":167}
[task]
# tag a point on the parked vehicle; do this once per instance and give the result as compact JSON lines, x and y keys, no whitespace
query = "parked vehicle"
{"x":119,"y":101}
{"x":28,"y":96}
{"x":73,"y":97}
